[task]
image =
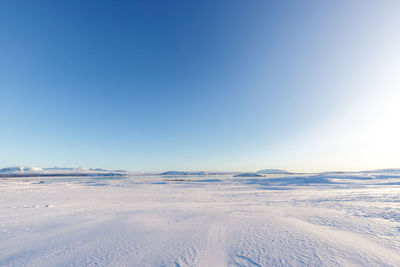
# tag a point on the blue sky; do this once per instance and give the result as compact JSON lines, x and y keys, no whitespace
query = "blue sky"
{"x":200,"y":85}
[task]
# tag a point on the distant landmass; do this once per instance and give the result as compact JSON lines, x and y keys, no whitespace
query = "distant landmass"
{"x":248,"y":174}
{"x":184,"y":173}
{"x":199,"y":173}
{"x":274,"y":171}
{"x":235,"y":174}
{"x":23,"y":171}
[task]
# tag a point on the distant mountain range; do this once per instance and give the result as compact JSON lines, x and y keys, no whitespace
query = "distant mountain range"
{"x":23,"y":171}
{"x":248,"y":174}
{"x":184,"y":173}
{"x":236,"y":174}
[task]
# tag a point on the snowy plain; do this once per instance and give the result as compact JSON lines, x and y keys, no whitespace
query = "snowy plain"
{"x":328,"y":219}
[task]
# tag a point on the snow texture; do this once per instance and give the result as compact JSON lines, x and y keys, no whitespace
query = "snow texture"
{"x":329,"y":219}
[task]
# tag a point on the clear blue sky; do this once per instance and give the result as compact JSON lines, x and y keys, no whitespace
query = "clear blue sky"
{"x":200,"y":85}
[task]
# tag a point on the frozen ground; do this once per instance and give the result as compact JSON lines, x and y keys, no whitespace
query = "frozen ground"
{"x":331,"y":219}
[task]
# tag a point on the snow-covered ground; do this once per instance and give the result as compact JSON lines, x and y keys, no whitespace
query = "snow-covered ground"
{"x":329,"y":219}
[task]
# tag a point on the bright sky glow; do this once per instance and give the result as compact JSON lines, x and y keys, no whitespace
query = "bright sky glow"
{"x":233,"y":85}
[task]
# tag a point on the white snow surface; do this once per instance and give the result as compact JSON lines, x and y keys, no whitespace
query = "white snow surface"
{"x":337,"y":219}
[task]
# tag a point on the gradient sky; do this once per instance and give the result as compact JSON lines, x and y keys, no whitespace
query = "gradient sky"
{"x":200,"y":85}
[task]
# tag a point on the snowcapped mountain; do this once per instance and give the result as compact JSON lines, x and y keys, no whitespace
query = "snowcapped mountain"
{"x":20,"y":169}
{"x":66,"y":169}
{"x":23,"y":171}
